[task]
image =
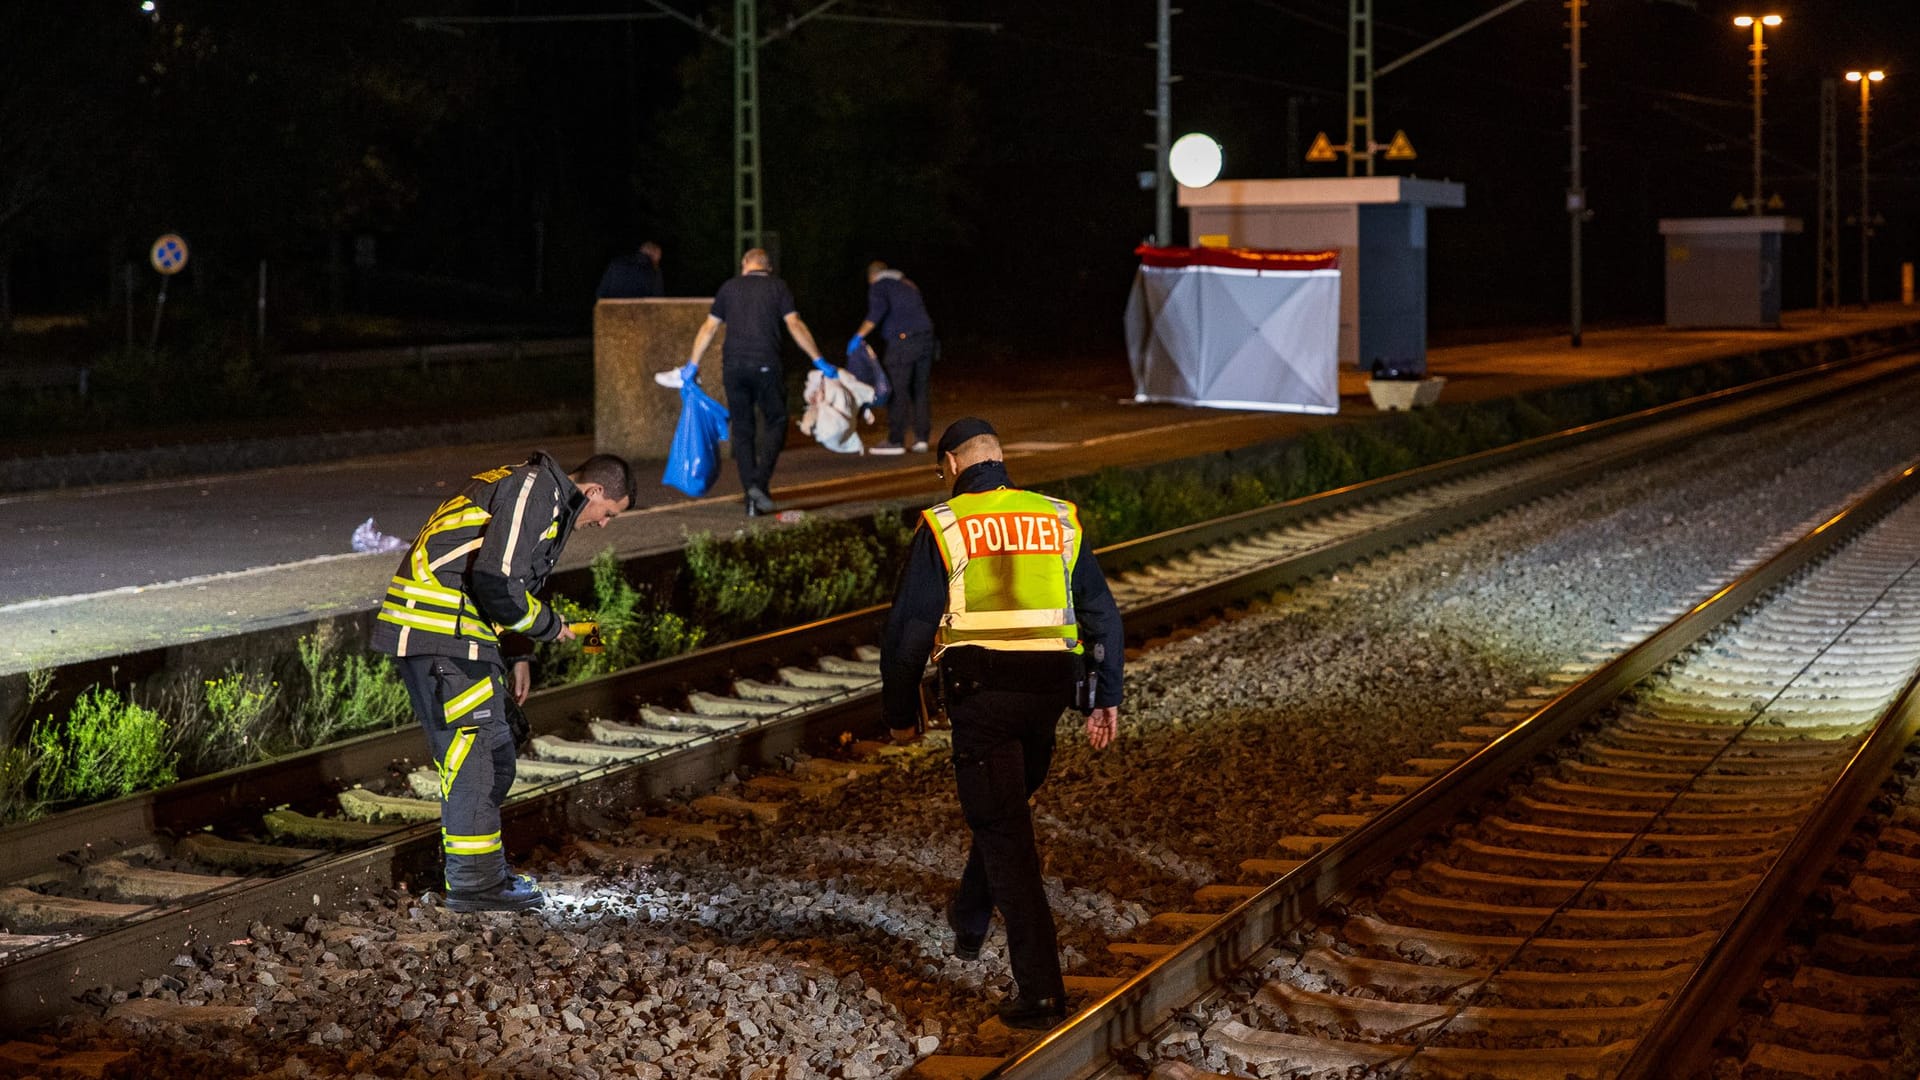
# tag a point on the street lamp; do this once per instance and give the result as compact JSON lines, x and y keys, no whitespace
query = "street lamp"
{"x":1759,"y":51}
{"x":1866,"y":79}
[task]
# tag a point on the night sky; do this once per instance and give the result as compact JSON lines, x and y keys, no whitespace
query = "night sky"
{"x":998,"y":169}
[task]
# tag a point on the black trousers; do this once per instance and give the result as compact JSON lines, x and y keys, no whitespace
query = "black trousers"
{"x":757,"y":420}
{"x":461,"y":707}
{"x":1002,"y":747}
{"x":909,"y":364}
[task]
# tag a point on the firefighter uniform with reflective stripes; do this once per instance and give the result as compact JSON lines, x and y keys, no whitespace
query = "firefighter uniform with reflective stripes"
{"x":998,"y":589}
{"x":461,"y":604}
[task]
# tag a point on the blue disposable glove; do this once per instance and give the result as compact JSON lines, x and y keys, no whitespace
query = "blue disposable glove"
{"x":825,"y":368}
{"x":856,"y":344}
{"x":691,"y":372}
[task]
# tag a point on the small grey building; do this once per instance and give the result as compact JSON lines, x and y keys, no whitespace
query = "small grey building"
{"x":1724,"y":272}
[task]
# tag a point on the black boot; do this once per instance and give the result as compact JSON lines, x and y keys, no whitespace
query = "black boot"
{"x":965,"y":946}
{"x":517,"y":893}
{"x":1034,"y":1014}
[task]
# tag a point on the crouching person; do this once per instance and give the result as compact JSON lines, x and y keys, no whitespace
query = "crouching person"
{"x":460,"y":617}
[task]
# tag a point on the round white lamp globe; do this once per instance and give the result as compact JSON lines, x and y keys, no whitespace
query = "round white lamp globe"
{"x":1195,"y":160}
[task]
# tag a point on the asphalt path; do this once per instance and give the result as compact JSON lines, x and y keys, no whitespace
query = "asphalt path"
{"x":69,"y":543}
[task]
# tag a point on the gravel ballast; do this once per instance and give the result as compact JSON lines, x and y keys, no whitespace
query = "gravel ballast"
{"x":816,"y":947}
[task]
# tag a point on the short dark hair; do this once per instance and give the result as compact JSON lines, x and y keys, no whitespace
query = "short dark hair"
{"x":611,"y":472}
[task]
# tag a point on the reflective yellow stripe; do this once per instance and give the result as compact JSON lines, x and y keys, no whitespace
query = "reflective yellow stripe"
{"x":463,"y":550}
{"x":469,"y":699}
{"x":470,"y":516}
{"x":439,"y":594}
{"x":456,"y":757}
{"x":1017,"y":644}
{"x":513,"y":535}
{"x":418,"y":620}
{"x":469,"y":845}
{"x":534,"y":608}
{"x":1008,"y":620}
{"x":553,"y":530}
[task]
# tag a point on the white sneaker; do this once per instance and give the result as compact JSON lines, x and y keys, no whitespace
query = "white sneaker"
{"x":669,"y":378}
{"x":887,"y":448}
{"x":920,"y":447}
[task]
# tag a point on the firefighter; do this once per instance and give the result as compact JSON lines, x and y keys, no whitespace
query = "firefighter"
{"x":460,"y":617}
{"x":997,"y":588}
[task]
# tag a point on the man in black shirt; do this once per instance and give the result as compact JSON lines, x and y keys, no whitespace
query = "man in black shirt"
{"x":753,"y":306}
{"x":631,"y":277}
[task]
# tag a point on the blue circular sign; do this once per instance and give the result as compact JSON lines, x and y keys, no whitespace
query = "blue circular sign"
{"x":169,"y":254}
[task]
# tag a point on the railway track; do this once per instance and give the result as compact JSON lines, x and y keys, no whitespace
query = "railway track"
{"x":105,"y":888}
{"x":1595,"y":914}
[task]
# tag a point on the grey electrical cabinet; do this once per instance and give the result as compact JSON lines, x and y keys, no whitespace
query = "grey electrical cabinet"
{"x":1724,"y":272}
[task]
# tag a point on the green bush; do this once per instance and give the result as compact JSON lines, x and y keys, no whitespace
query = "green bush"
{"x":778,"y":577}
{"x":108,"y":746}
{"x":634,"y":628}
{"x":347,"y":695}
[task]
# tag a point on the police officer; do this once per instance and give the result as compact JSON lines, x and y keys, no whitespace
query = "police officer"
{"x":897,"y":312}
{"x":754,"y":306}
{"x":458,"y":614}
{"x":998,"y":588}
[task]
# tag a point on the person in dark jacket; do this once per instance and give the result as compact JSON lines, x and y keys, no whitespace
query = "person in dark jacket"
{"x":897,"y":317}
{"x":632,"y":277}
{"x":460,"y":617}
{"x":999,"y":589}
{"x":754,"y":307}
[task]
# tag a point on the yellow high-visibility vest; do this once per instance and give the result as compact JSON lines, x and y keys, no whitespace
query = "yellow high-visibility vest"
{"x":1009,"y":556}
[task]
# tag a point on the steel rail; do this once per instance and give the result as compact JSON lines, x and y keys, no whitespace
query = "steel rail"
{"x":36,"y":986}
{"x":1680,"y":1042}
{"x":1085,"y":1044}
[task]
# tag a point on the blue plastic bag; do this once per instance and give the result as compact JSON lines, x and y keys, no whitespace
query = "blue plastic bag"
{"x":865,"y":366}
{"x":693,"y":462}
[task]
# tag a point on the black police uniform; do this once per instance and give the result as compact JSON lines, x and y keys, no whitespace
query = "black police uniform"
{"x":1004,"y":707}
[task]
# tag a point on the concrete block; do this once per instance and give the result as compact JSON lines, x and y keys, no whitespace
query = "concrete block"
{"x":633,"y":416}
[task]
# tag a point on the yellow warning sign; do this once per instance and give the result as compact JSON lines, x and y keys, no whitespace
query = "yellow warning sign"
{"x":1740,"y":203}
{"x":1214,"y":240}
{"x":1401,"y":148}
{"x":1321,"y":150}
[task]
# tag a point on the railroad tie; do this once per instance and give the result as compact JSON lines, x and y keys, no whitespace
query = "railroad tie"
{"x":1381,"y":1017}
{"x":297,"y":826}
{"x":1260,"y":1049}
{"x":1770,"y":1059}
{"x":953,"y":1067}
{"x":156,"y":1011}
{"x":754,"y":690}
{"x":658,"y":728}
{"x":578,"y":753}
{"x":823,"y":680}
{"x":23,"y":908}
{"x":363,"y":805}
{"x":787,"y":787}
{"x":123,"y":881}
{"x":619,"y":855}
{"x":48,"y":1061}
{"x":1233,"y":894}
{"x":707,"y":704}
{"x":836,"y":665}
{"x":726,"y":806}
{"x":694,"y":724}
{"x":706,"y":831}
{"x":211,"y":850}
{"x":1273,"y":868}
